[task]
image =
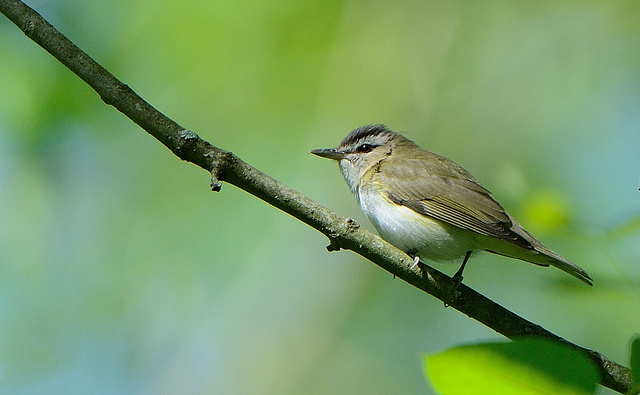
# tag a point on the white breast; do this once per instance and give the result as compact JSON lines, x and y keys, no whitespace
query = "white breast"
{"x":411,"y":231}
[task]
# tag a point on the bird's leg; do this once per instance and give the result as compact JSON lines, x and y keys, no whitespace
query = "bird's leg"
{"x":458,"y":275}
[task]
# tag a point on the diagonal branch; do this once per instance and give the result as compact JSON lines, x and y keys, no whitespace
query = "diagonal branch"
{"x":342,"y":232}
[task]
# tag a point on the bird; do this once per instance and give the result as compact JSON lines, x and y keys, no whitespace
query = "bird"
{"x":430,"y":207}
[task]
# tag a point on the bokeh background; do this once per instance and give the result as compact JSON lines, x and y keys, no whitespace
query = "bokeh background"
{"x":120,"y":272}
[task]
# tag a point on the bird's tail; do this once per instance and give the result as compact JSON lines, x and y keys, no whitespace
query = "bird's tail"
{"x":549,"y":257}
{"x":538,"y":254}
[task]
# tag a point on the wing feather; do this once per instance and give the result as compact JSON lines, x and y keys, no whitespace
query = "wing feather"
{"x":436,"y":187}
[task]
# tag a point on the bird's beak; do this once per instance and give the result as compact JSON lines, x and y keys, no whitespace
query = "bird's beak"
{"x":329,"y":153}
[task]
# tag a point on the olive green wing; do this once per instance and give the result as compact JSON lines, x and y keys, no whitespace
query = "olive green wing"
{"x":438,"y":188}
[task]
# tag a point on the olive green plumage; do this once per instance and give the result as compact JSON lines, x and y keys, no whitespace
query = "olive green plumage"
{"x":428,"y":205}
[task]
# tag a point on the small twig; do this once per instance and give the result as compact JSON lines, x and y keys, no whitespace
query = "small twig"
{"x":342,"y":232}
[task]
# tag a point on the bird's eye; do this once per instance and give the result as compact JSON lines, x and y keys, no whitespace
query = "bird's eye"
{"x":364,"y":148}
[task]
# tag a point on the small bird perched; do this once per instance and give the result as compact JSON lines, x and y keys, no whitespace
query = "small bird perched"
{"x":428,"y":206}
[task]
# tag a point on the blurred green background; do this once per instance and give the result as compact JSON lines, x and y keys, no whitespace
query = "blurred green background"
{"x":120,"y":272}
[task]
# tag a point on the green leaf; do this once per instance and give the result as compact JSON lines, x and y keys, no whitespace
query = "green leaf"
{"x":528,"y":365}
{"x":634,"y":364}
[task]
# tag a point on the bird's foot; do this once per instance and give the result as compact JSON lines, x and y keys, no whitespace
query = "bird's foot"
{"x":416,"y":260}
{"x":458,"y":276}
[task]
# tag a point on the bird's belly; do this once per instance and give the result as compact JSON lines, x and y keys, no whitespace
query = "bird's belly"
{"x":429,"y":238}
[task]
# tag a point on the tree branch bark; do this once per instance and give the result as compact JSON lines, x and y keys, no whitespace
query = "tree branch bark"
{"x":342,"y":232}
